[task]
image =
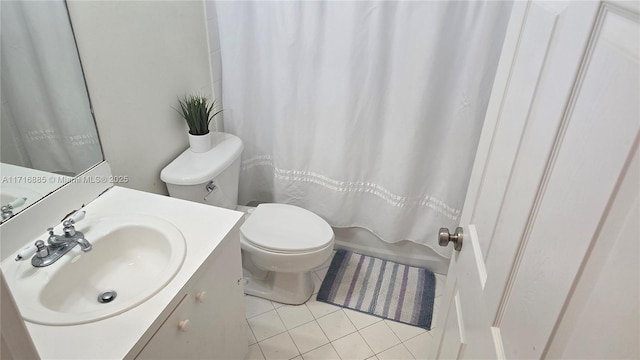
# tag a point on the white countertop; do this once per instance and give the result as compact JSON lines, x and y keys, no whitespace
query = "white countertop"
{"x":203,"y":227}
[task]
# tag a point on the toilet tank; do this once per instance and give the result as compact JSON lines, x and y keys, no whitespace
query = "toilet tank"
{"x":190,"y":175}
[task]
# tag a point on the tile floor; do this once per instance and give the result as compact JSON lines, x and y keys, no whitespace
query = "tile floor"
{"x":317,"y":330}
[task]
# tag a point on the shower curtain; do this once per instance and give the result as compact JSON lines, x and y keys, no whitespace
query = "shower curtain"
{"x":366,"y":113}
{"x":46,"y":117}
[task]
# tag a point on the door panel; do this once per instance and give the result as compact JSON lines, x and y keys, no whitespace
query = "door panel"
{"x":512,"y":120}
{"x":541,"y":136}
{"x":611,"y":272}
{"x":561,"y":128}
{"x":599,"y":136}
{"x":471,"y":276}
{"x":454,"y":341}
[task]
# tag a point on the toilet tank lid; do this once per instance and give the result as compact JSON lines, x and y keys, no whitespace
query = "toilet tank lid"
{"x":196,"y":168}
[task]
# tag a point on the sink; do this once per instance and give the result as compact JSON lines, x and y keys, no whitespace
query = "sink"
{"x":134,"y":256}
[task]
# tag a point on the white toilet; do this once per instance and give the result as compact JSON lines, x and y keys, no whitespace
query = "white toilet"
{"x":280,"y":243}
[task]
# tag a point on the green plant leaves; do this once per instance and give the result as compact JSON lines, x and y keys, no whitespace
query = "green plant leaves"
{"x":198,"y":113}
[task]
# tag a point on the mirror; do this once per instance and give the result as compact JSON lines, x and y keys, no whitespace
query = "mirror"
{"x":48,"y":133}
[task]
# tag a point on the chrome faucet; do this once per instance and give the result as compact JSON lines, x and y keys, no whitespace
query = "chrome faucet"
{"x":7,"y":210}
{"x":59,"y":245}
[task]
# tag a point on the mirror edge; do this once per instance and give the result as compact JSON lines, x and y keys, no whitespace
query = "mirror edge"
{"x":84,"y":78}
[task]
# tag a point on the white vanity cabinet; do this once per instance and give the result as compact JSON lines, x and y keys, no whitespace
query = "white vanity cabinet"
{"x":198,"y":314}
{"x":208,"y":321}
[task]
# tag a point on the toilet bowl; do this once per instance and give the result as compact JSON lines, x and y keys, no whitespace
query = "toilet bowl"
{"x":281,"y":244}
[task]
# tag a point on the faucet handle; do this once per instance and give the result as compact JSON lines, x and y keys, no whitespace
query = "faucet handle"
{"x":68,"y":229}
{"x":26,"y":252}
{"x":77,"y":216}
{"x":43,"y":250}
{"x":17,"y":202}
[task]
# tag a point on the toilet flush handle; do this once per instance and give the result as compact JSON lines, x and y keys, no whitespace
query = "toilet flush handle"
{"x":210,"y":187}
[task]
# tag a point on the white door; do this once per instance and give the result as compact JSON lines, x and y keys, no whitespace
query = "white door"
{"x":549,"y":262}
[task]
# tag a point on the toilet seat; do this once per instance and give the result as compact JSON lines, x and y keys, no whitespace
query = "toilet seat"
{"x":286,"y":228}
{"x":284,"y":252}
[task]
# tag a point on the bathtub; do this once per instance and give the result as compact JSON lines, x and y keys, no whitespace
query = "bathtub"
{"x":364,"y":242}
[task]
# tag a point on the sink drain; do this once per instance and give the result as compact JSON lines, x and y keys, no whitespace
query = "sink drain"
{"x":107,"y":296}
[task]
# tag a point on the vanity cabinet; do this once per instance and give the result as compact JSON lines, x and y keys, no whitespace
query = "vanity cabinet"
{"x":208,"y":321}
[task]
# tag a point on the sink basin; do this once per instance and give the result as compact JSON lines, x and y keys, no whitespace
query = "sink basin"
{"x":134,"y":256}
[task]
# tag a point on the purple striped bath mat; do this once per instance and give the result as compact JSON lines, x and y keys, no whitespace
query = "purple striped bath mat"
{"x":379,"y":287}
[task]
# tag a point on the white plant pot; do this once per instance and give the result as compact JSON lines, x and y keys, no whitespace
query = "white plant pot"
{"x":200,"y":143}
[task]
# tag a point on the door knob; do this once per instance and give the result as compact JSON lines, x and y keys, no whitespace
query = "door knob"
{"x":444,"y":237}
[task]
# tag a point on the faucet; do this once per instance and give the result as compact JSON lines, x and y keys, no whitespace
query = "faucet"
{"x":7,"y":210}
{"x":59,"y":245}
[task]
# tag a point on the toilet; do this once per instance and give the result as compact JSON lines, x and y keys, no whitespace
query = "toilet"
{"x":281,"y":244}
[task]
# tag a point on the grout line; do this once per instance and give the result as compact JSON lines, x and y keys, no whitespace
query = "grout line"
{"x":403,"y":345}
{"x":325,"y":335}
{"x":388,"y":327}
{"x":252,"y":333}
{"x":351,"y":321}
{"x":331,"y":341}
{"x":285,"y":328}
{"x":261,"y":352}
{"x":262,"y":313}
{"x":297,"y":326}
{"x":305,"y":306}
{"x":343,"y":336}
{"x":334,"y":349}
{"x":394,"y":333}
{"x":321,"y":329}
{"x":254,"y":315}
{"x":358,"y":331}
{"x":413,"y":337}
{"x":409,"y":351}
{"x":317,"y":347}
{"x":294,"y":344}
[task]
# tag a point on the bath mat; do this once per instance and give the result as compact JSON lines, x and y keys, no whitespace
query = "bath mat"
{"x":379,"y":287}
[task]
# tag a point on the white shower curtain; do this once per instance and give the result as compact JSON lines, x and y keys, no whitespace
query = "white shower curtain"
{"x":46,"y":117}
{"x":366,"y":113}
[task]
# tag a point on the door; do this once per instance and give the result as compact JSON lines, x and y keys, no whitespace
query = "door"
{"x":549,"y":262}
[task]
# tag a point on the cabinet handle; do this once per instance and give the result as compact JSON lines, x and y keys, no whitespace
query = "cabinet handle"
{"x":200,"y":296}
{"x":182,"y":325}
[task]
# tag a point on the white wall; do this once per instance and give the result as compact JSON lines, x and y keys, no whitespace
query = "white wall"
{"x":138,"y":57}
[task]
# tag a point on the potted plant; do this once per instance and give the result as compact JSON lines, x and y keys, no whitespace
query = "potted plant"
{"x":198,"y":112}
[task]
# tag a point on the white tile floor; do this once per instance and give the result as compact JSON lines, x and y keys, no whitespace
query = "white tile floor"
{"x":317,"y":330}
